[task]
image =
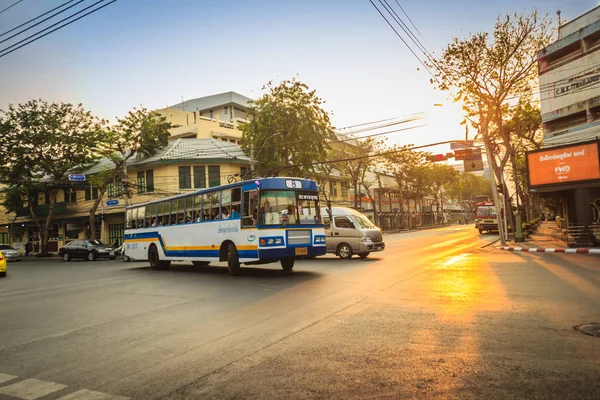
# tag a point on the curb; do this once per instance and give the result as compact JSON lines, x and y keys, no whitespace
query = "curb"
{"x":550,"y":250}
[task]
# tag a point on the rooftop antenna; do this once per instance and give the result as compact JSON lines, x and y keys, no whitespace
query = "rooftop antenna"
{"x":558,"y":13}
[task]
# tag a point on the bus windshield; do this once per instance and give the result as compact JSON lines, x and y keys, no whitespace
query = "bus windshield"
{"x":486,"y":212}
{"x":288,"y":207}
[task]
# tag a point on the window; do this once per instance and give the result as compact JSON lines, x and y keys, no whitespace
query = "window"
{"x":199,"y":176}
{"x":333,"y":188}
{"x":214,"y":175}
{"x":91,"y":193}
{"x":226,"y":110}
{"x":115,"y":233}
{"x":194,"y":116}
{"x":150,"y":180}
{"x":343,"y":222}
{"x":244,"y":172}
{"x":223,"y":139}
{"x":70,"y":196}
{"x":141,"y":182}
{"x":115,"y":189}
{"x":210,"y":114}
{"x":232,"y":140}
{"x":185,"y":178}
{"x":345,"y":190}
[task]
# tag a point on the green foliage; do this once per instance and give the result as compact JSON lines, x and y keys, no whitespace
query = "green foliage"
{"x":287,"y":127}
{"x":467,"y":186}
{"x":41,"y":143}
{"x":139,"y":134}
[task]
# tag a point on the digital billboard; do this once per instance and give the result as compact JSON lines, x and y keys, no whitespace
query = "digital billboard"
{"x":563,"y":164}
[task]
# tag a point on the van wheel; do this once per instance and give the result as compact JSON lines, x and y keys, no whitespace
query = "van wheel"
{"x":345,"y":251}
{"x":364,"y":255}
{"x":233,"y":260}
{"x":200,"y":263}
{"x":287,"y":264}
{"x":480,"y":231}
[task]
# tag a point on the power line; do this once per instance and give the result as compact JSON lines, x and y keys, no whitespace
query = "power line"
{"x":42,"y":21}
{"x":2,"y":53}
{"x":33,"y":19}
{"x":11,"y":6}
{"x":403,"y":41}
{"x":413,"y":24}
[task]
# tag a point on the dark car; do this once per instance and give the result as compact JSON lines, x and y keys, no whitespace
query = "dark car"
{"x":86,"y":249}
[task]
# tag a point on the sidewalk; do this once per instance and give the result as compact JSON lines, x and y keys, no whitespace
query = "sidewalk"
{"x":546,"y":239}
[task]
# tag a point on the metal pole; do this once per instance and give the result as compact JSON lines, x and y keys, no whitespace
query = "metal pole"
{"x":102,"y":235}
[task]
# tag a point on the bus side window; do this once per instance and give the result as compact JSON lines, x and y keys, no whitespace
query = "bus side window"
{"x":250,"y":208}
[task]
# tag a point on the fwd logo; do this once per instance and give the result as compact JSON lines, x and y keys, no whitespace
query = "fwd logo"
{"x":565,"y":169}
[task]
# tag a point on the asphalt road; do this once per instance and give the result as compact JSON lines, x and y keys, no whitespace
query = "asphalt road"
{"x":434,"y":315}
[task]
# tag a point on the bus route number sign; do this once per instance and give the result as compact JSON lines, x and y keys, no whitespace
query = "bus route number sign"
{"x":293,"y":184}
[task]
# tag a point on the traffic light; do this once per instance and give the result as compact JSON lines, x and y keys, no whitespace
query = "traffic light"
{"x":437,"y":157}
{"x":463,"y":154}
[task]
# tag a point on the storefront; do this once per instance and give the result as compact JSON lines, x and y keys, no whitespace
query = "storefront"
{"x":569,"y":176}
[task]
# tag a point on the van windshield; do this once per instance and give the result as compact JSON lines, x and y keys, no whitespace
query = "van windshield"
{"x":362,"y":222}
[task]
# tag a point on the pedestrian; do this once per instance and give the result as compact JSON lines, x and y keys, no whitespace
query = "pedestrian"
{"x":27,"y":249}
{"x":115,"y":244}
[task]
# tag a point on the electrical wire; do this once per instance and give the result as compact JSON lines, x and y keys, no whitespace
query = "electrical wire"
{"x":403,"y":41}
{"x":33,"y":19}
{"x":2,"y":53}
{"x":11,"y":6}
{"x":41,"y":22}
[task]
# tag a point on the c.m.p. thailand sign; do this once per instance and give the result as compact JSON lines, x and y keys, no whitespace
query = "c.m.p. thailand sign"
{"x":578,"y":83}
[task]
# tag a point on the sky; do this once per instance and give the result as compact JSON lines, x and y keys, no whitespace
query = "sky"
{"x":154,"y":53}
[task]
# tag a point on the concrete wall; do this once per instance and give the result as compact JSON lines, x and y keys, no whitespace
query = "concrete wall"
{"x":580,"y":22}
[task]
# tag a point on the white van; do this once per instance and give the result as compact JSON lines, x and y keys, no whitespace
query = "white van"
{"x":350,"y":233}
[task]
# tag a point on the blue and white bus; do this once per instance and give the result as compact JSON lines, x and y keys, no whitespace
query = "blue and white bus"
{"x":250,"y":222}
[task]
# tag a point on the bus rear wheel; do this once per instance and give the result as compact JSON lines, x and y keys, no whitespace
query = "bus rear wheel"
{"x":233,"y":260}
{"x":154,"y":259}
{"x":287,"y":264}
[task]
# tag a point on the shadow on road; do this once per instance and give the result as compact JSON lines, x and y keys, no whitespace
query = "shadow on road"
{"x":252,"y":272}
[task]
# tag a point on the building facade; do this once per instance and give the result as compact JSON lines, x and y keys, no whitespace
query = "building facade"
{"x":183,"y":165}
{"x":567,"y":170}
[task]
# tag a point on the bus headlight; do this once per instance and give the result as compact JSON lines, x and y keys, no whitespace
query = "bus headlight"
{"x":270,"y":241}
{"x":278,"y":241}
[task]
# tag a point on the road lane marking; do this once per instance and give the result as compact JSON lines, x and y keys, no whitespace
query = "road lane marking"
{"x":31,"y":389}
{"x":6,"y":377}
{"x":85,"y":394}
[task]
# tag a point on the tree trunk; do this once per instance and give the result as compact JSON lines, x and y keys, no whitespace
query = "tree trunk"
{"x":93,"y":214}
{"x":45,"y":232}
{"x":401,"y":195}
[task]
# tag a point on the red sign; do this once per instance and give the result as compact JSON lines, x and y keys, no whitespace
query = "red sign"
{"x":564,"y":165}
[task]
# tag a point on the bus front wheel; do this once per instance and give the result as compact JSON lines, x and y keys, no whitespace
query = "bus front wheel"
{"x":287,"y":264}
{"x":233,"y":260}
{"x":480,"y":231}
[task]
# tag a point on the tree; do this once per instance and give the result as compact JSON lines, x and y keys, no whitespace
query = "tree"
{"x":140,"y":134}
{"x":287,"y":129}
{"x":441,"y":175}
{"x":42,"y":142}
{"x":486,"y":72}
{"x":401,"y":163}
{"x":359,"y":156}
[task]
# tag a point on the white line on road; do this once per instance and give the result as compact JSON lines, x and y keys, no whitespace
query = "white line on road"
{"x":6,"y":377}
{"x":31,"y":389}
{"x":85,"y":394}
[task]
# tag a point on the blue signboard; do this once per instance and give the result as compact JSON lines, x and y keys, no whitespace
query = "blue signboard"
{"x":112,"y":202}
{"x":76,"y":177}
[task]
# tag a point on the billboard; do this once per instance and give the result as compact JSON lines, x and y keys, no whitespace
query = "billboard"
{"x":563,"y":165}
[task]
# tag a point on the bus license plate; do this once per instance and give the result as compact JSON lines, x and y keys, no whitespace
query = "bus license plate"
{"x":301,"y":251}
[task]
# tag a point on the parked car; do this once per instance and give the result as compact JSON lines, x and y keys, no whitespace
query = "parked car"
{"x":2,"y":265}
{"x":86,"y":249}
{"x":10,"y":253}
{"x":350,"y":232}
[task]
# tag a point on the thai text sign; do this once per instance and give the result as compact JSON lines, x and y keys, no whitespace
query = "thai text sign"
{"x":563,"y":165}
